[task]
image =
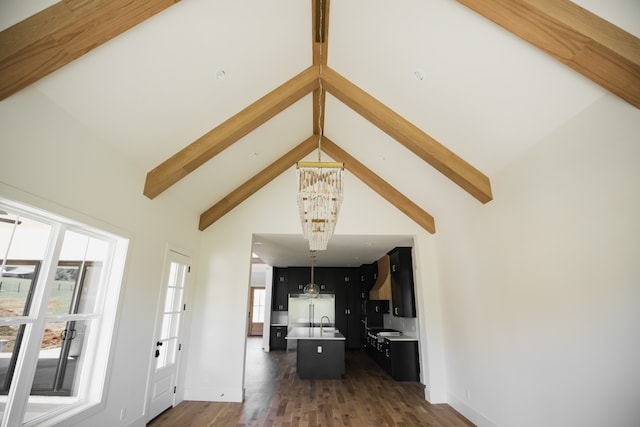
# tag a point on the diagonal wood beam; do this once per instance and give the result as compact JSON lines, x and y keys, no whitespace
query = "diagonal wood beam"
{"x":63,"y":32}
{"x":595,"y":48}
{"x":377,"y":184}
{"x":207,"y":146}
{"x":421,"y":144}
{"x":254,"y":184}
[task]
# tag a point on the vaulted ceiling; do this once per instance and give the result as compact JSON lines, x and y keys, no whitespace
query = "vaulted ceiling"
{"x":214,"y":99}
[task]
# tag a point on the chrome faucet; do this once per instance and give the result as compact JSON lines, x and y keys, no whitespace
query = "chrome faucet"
{"x":322,"y":324}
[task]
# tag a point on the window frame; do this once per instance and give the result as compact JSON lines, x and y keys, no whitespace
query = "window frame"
{"x":91,"y":395}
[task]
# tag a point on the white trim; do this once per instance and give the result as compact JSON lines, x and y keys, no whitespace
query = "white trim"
{"x":480,"y":420}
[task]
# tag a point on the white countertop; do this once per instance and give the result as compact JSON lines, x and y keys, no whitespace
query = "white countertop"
{"x":401,"y":338}
{"x":306,"y":333}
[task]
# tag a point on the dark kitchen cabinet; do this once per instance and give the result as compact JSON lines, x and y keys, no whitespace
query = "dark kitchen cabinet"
{"x":297,"y":279}
{"x":398,"y":358}
{"x":277,"y":338}
{"x":347,"y":292}
{"x":343,"y":282}
{"x":368,"y":274}
{"x":347,"y":280}
{"x":402,"y":360}
{"x":402,"y":289}
{"x":374,"y":311}
{"x":325,"y":278}
{"x":371,"y":311}
{"x":280,"y":299}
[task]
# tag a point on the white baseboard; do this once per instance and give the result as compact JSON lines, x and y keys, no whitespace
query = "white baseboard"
{"x":471,"y":414}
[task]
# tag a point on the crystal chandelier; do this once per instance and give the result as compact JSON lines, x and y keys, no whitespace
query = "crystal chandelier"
{"x":320,"y":192}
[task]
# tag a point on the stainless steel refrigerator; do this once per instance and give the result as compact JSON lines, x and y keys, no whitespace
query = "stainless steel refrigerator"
{"x":306,"y":311}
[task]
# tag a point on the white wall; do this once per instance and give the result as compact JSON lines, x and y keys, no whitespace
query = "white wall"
{"x":541,"y":287}
{"x":47,"y":159}
{"x":216,"y":360}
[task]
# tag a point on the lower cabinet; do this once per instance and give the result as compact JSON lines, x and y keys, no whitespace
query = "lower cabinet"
{"x":277,"y":338}
{"x":397,"y":357}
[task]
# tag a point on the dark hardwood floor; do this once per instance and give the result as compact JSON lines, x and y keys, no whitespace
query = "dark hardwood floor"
{"x":275,"y":396}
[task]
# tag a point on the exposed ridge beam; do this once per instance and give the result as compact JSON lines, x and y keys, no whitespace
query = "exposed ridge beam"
{"x":210,"y":144}
{"x":380,"y":186}
{"x":421,"y":144}
{"x":320,"y":53}
{"x":595,"y":48}
{"x":254,"y":184}
{"x":63,"y":32}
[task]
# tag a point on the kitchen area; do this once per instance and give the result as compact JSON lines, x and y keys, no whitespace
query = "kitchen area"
{"x":368,"y":308}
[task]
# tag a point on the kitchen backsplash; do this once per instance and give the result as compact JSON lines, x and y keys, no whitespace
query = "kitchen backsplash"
{"x":279,"y":317}
{"x":407,"y":325}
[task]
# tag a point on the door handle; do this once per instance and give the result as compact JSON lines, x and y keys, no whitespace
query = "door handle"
{"x":157,"y":353}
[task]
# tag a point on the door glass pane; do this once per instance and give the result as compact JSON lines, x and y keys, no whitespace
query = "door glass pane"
{"x":167,"y":353}
{"x":170,"y":325}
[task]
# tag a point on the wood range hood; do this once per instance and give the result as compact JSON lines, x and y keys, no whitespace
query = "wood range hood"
{"x":381,"y":290}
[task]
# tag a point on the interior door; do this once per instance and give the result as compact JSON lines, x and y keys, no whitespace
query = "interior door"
{"x":168,"y":343}
{"x":256,"y":315}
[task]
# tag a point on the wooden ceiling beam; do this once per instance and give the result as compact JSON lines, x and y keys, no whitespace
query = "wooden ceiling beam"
{"x":320,"y":53}
{"x":52,"y":38}
{"x":254,"y":184}
{"x":421,"y":144}
{"x":380,"y":186}
{"x":592,"y":46}
{"x":213,"y":142}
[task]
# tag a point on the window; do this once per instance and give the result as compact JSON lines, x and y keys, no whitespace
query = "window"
{"x":59,"y":283}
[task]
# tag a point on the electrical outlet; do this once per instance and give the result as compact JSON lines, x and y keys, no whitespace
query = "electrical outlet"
{"x":468,"y":393}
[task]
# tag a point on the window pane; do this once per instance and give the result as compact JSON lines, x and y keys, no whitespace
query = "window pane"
{"x":10,"y":338}
{"x":258,"y":305}
{"x":64,"y":286}
{"x":90,"y":280}
{"x":16,"y":286}
{"x":60,"y":357}
{"x":27,"y":239}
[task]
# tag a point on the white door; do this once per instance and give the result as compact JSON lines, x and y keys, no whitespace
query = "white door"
{"x":168,"y":343}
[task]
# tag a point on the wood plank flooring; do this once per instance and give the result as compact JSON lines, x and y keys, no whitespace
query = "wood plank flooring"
{"x":276,"y":397}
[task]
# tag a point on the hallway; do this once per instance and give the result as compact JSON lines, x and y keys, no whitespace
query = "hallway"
{"x":275,"y":396}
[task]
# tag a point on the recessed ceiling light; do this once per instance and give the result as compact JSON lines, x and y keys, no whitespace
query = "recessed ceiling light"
{"x":221,"y":75}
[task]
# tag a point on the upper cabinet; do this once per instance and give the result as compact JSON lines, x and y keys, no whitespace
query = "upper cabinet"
{"x":403,"y":296}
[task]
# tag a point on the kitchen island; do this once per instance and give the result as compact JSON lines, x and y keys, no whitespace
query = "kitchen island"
{"x":320,"y":353}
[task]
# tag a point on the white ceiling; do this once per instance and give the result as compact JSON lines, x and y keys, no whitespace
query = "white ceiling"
{"x":485,"y":94}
